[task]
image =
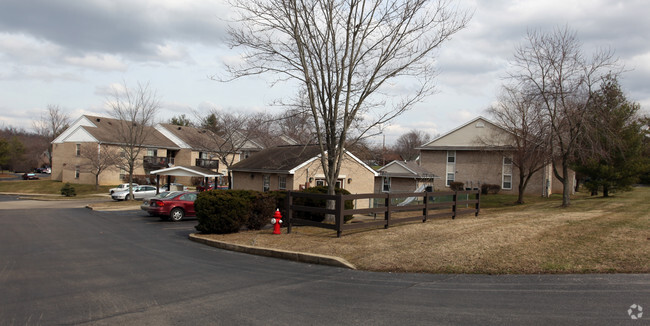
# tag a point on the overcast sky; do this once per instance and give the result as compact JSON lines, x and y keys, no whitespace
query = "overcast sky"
{"x":71,"y":53}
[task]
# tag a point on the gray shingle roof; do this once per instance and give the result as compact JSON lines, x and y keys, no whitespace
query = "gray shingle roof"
{"x":107,"y":131}
{"x":278,"y":159}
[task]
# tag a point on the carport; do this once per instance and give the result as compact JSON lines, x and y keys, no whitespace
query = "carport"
{"x":185,"y":171}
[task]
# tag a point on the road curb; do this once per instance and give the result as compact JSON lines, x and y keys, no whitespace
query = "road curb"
{"x":275,"y":253}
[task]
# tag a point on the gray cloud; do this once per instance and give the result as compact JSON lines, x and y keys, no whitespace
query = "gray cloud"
{"x":125,"y":27}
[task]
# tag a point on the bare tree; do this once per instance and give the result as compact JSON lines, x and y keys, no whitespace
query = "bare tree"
{"x":553,"y":68}
{"x":136,"y":110}
{"x":98,"y":159}
{"x":345,"y":54}
{"x":50,"y":125}
{"x":227,"y":134}
{"x":406,"y":145}
{"x":526,"y":141}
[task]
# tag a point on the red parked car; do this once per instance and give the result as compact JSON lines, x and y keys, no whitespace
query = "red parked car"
{"x":174,"y":208}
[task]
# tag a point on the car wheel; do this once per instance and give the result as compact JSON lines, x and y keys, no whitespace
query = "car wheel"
{"x":176,"y":214}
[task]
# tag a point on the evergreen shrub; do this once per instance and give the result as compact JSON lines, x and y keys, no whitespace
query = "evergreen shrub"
{"x":457,"y":186}
{"x":319,"y":217}
{"x":68,"y":190}
{"x":222,"y":211}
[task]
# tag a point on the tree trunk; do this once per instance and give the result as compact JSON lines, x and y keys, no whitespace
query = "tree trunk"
{"x":97,"y":181}
{"x":130,"y":183}
{"x":331,"y":204}
{"x":605,"y":191}
{"x":566,"y":186}
{"x":521,"y":188}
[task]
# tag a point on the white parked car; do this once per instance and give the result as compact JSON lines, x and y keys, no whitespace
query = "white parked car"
{"x":139,"y":192}
{"x":122,"y":187}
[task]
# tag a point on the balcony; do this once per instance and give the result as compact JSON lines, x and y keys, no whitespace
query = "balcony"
{"x":155,"y":162}
{"x":208,"y":164}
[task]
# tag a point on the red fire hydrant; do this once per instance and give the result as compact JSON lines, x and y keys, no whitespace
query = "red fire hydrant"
{"x":276,"y":221}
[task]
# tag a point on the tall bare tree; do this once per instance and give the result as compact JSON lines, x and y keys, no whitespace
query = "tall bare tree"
{"x":554,"y":69}
{"x":345,"y":55}
{"x":520,"y":115}
{"x":136,"y":109}
{"x":50,"y":125}
{"x":98,"y":159}
{"x":406,"y":145}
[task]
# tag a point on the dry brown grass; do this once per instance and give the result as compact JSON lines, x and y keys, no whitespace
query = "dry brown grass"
{"x":594,"y":235}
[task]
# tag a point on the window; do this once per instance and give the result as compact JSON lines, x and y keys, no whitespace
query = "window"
{"x":188,"y":197}
{"x":122,"y":173}
{"x":450,"y":178}
{"x":451,"y":156}
{"x":451,"y":167}
{"x":267,"y":183}
{"x":152,"y":152}
{"x":78,"y":149}
{"x":282,"y":182}
{"x":321,"y":182}
{"x":386,"y":184}
{"x":76,"y":172}
{"x":507,"y":173}
{"x":507,"y":182}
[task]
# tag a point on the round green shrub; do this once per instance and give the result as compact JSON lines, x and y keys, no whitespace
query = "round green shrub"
{"x":319,"y":217}
{"x":68,"y":190}
{"x":457,"y":186}
{"x":262,"y":209}
{"x":222,"y":211}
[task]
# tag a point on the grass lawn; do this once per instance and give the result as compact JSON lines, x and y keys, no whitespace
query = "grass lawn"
{"x":49,"y":187}
{"x":593,"y":235}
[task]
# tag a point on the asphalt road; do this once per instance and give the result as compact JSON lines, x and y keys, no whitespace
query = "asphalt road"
{"x":63,"y":264}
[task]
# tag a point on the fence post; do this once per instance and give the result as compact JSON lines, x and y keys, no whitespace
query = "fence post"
{"x":387,"y":212}
{"x":289,"y":202}
{"x":425,"y":210}
{"x":338,"y":207}
{"x":454,"y":207}
{"x":478,"y":202}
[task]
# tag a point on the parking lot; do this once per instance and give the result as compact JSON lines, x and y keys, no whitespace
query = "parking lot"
{"x":65,"y":264}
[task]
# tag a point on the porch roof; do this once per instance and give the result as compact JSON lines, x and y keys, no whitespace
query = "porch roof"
{"x":187,"y":171}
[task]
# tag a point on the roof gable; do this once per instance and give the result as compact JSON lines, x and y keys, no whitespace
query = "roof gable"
{"x":405,"y":169}
{"x":80,"y":135}
{"x":84,"y":120}
{"x":472,"y":134}
{"x":105,"y":130}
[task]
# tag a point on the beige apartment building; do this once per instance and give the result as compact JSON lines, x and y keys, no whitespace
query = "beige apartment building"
{"x":166,"y":145}
{"x":295,"y":167}
{"x":462,"y":155}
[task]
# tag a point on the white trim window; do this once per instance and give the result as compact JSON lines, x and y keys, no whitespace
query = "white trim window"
{"x":282,"y":182}
{"x":77,"y":149}
{"x":322,"y":183}
{"x":77,"y":172}
{"x":386,"y":184}
{"x":267,"y":183}
{"x":451,"y":167}
{"x":506,"y":182}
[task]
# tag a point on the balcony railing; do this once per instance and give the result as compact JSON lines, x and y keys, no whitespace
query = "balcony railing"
{"x":155,"y":162}
{"x":208,"y":164}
